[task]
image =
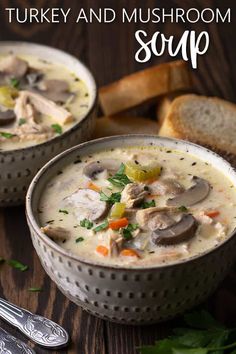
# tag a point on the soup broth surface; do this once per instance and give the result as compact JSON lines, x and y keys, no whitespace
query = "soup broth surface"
{"x":138,"y":206}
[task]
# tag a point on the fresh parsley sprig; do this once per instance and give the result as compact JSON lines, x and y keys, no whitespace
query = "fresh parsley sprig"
{"x":119,"y":179}
{"x":204,"y":335}
{"x":112,"y":199}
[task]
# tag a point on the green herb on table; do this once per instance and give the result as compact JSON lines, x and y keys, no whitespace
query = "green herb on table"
{"x":203,"y":335}
{"x":57,"y":128}
{"x":112,"y":199}
{"x":63,"y":211}
{"x":146,"y":205}
{"x":102,"y":226}
{"x":22,"y":121}
{"x":35,"y":290}
{"x":7,"y":135}
{"x":14,"y":82}
{"x":86,"y":223}
{"x":17,"y":265}
{"x":127,"y":231}
{"x":79,"y":239}
{"x":120,"y":179}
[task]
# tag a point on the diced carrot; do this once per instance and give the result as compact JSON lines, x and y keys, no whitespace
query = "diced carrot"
{"x":127,"y":252}
{"x":212,"y":213}
{"x":117,"y":224}
{"x":102,"y":250}
{"x":94,"y":187}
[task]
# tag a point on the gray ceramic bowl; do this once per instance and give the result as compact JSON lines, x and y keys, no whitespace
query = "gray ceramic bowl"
{"x":138,"y":295}
{"x":18,"y":167}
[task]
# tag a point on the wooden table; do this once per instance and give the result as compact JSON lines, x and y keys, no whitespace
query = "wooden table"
{"x":108,"y":49}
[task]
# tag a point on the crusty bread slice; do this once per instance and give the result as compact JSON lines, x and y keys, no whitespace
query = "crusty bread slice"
{"x":108,"y":126}
{"x":207,"y":121}
{"x":163,"y":107}
{"x":144,"y":85}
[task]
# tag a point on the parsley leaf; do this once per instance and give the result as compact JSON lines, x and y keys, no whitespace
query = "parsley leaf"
{"x":204,"y":336}
{"x":150,"y":204}
{"x":7,"y":135}
{"x":63,"y":211}
{"x":14,"y":82}
{"x":79,"y":239}
{"x":86,"y":223}
{"x":102,"y":226}
{"x":120,"y":179}
{"x":17,"y":265}
{"x":35,"y":290}
{"x":112,"y":199}
{"x":57,"y":128}
{"x":21,"y":121}
{"x":127,"y":232}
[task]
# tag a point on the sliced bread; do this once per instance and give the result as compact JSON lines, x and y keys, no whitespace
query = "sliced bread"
{"x":142,"y":86}
{"x":206,"y":121}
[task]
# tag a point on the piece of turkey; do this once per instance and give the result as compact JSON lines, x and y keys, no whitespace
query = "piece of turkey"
{"x":42,"y":105}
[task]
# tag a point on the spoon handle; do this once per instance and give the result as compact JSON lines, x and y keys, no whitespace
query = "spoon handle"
{"x":11,"y":345}
{"x":37,"y":328}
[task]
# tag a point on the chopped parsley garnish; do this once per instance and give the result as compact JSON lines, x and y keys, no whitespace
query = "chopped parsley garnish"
{"x":127,"y":232}
{"x":102,"y":226}
{"x":86,"y":223}
{"x":146,"y":188}
{"x":50,"y":221}
{"x":182,"y":208}
{"x":120,"y":179}
{"x":7,"y":135}
{"x":17,"y":265}
{"x":146,"y":205}
{"x":14,"y":82}
{"x":63,"y":211}
{"x":57,"y":128}
{"x":35,"y":290}
{"x":113,"y":198}
{"x":79,"y":239}
{"x":21,"y":121}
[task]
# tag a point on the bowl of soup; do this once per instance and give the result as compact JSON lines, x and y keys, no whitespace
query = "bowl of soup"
{"x":47,"y":104}
{"x":135,"y":229}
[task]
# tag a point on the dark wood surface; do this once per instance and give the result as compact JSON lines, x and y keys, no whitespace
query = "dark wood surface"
{"x":108,"y":49}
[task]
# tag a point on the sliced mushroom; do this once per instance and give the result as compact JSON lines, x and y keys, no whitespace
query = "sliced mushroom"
{"x":92,"y":169}
{"x":55,"y":90}
{"x":7,"y":117}
{"x":87,"y":204}
{"x":181,"y":231}
{"x":33,"y":77}
{"x":167,"y":186}
{"x":14,"y":66}
{"x":56,"y":233}
{"x":193,"y":195}
{"x":45,"y":106}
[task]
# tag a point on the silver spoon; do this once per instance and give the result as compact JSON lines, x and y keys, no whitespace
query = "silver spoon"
{"x":11,"y":345}
{"x":37,"y":328}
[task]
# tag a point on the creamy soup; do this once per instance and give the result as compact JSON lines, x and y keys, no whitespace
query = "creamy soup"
{"x":39,"y":99}
{"x":138,"y":206}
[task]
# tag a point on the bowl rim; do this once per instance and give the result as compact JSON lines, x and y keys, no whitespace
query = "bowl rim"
{"x":56,"y":138}
{"x":32,"y":221}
